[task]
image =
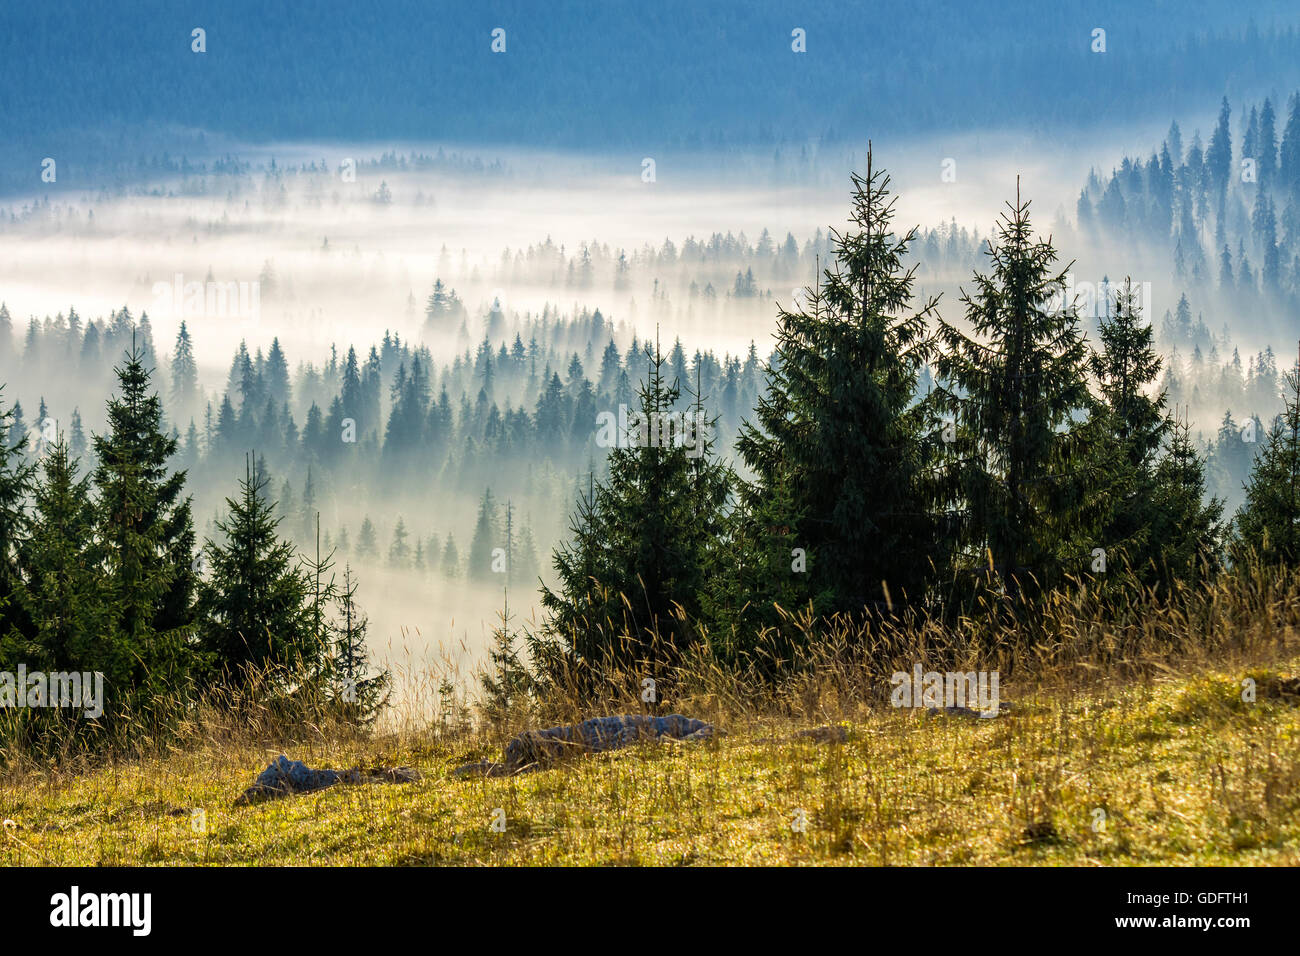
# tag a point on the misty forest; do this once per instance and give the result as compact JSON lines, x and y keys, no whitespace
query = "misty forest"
{"x":896,"y":452}
{"x":547,"y":381}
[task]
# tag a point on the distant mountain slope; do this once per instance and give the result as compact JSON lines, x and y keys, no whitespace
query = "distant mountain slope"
{"x":606,"y":74}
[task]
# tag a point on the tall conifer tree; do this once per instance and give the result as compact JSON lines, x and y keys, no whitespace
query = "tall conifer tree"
{"x":63,"y":587}
{"x":1144,"y":480}
{"x":257,"y":600}
{"x":630,"y":579}
{"x":1014,"y":392}
{"x":145,"y":529}
{"x":842,"y":449}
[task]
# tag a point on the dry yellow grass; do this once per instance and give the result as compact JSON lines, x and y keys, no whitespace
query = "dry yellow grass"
{"x":1107,"y":757}
{"x":1177,"y":771}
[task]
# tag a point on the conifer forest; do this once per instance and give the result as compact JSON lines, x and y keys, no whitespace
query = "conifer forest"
{"x":760,"y":434}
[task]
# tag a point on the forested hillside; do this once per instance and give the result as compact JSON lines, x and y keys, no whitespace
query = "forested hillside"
{"x":594,"y":75}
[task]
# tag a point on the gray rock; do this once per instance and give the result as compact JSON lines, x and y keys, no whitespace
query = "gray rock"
{"x":284,"y":776}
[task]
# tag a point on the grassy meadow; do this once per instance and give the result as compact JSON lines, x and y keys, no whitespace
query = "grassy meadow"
{"x":1097,"y":762}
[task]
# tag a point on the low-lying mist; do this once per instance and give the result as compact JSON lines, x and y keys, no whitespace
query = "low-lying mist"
{"x":322,"y":247}
{"x":351,"y":248}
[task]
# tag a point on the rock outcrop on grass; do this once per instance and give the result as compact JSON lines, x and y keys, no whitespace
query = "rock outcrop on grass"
{"x":283,"y":777}
{"x":538,"y":749}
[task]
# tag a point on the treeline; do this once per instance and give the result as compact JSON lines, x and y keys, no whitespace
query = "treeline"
{"x":702,"y":264}
{"x":514,"y":414}
{"x":1039,"y":461}
{"x":101,"y":571}
{"x":1205,"y":370}
{"x":1229,"y":208}
{"x":702,"y":271}
{"x":1203,"y":373}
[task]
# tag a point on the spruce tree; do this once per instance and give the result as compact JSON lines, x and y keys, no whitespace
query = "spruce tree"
{"x":399,"y":552}
{"x":487,"y":538}
{"x":359,"y":692}
{"x":319,"y":570}
{"x":1269,"y":521}
{"x":1014,"y":392}
{"x":1146,"y":481}
{"x":257,"y":600}
{"x":1186,"y":530}
{"x":1218,"y":156}
{"x":450,"y":563}
{"x":310,"y":516}
{"x":63,"y":589}
{"x":506,"y":681}
{"x":17,"y":436}
{"x":6,"y":332}
{"x":1124,"y":369}
{"x":15,"y":479}
{"x":185,"y":375}
{"x":842,"y":448}
{"x":1125,"y":431}
{"x":77,"y":446}
{"x":366,"y":540}
{"x":631,"y":577}
{"x":145,"y":530}
{"x":523,"y":560}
